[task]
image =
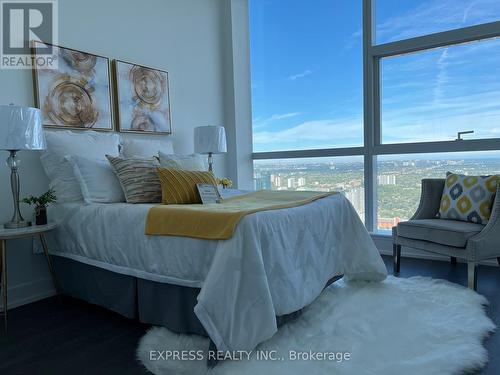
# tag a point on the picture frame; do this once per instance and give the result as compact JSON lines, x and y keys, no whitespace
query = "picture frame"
{"x":142,"y":99}
{"x":208,"y":193}
{"x":77,"y":94}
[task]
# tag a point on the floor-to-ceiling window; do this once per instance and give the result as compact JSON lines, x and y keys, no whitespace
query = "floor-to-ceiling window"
{"x":369,"y":105}
{"x":307,"y":96}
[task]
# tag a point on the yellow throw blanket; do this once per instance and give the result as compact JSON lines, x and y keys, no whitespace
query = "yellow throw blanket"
{"x":218,"y":221}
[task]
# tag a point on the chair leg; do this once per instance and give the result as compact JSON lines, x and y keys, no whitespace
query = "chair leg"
{"x":472,"y":275}
{"x":396,"y":254}
{"x":453,"y":260}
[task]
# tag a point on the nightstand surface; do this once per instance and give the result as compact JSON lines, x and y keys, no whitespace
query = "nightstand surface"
{"x":7,"y":234}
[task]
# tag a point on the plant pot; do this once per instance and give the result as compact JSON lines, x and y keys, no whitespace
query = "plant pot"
{"x":41,"y":215}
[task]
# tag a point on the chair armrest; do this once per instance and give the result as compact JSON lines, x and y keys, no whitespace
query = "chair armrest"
{"x":486,"y":244}
{"x":430,"y":198}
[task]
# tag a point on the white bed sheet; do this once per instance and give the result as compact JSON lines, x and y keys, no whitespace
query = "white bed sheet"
{"x":276,"y":262}
{"x":111,"y":236}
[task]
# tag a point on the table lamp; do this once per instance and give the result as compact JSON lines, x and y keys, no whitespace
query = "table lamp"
{"x":210,"y":140}
{"x":20,"y":129}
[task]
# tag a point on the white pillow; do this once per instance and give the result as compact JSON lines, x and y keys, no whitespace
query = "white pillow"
{"x":86,"y":143}
{"x":61,"y":178}
{"x":145,"y":148}
{"x":192,"y":162}
{"x":97,"y":179}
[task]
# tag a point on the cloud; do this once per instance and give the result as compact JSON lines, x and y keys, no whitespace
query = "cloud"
{"x":422,"y":122}
{"x":439,"y":77}
{"x":300,"y":75}
{"x":434,"y":16}
{"x":314,"y":133}
{"x":260,"y":123}
{"x":354,"y":39}
{"x":467,"y":10}
{"x":284,"y":115}
{"x":417,"y":123}
{"x":441,"y":121}
{"x":442,"y":76}
{"x":357,"y":34}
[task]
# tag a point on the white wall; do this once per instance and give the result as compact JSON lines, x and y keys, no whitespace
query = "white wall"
{"x":189,"y":39}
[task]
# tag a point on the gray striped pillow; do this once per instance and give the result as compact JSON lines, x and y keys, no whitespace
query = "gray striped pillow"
{"x":138,"y":178}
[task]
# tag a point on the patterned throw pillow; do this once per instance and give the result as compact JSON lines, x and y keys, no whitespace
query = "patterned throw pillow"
{"x":179,"y":186}
{"x":138,"y":179}
{"x":468,"y":198}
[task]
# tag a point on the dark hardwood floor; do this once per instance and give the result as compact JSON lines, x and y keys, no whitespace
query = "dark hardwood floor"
{"x":67,"y":336}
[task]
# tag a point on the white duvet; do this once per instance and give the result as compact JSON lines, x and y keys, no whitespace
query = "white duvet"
{"x":277,"y":261}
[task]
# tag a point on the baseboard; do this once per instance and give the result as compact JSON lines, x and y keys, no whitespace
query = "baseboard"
{"x":32,"y":291}
{"x":384,"y":245}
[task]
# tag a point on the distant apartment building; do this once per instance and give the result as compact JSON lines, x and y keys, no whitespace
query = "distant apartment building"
{"x":277,"y":181}
{"x":387,"y":179}
{"x":291,"y":183}
{"x":357,"y":198}
{"x":262,"y":181}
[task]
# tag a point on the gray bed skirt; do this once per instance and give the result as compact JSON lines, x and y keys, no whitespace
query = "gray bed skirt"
{"x":150,"y":302}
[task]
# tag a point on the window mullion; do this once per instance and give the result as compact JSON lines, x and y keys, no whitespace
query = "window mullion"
{"x":369,"y":82}
{"x":312,"y":153}
{"x":439,"y":146}
{"x":441,"y":39}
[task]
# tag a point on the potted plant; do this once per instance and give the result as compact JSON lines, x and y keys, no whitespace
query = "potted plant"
{"x":41,"y":204}
{"x":225,"y":182}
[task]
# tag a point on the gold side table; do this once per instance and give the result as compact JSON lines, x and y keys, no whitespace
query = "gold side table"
{"x":10,"y":234}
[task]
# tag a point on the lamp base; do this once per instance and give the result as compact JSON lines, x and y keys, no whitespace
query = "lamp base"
{"x":17,"y":224}
{"x":17,"y":220}
{"x":210,"y":162}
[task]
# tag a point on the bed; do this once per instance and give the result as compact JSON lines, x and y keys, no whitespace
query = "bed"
{"x":276,"y":263}
{"x":236,"y":291}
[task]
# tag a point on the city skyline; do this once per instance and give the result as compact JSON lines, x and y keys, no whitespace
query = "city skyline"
{"x":398,"y":181}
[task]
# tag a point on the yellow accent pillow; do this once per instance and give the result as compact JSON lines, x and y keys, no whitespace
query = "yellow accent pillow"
{"x":179,"y":186}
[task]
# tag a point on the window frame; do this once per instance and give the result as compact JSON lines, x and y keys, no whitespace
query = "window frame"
{"x":372,"y":135}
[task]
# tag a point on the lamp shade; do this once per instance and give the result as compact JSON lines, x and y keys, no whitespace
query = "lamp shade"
{"x":210,"y":139}
{"x":21,"y":128}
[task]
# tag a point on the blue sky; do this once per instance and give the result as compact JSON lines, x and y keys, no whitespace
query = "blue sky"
{"x":307,"y":73}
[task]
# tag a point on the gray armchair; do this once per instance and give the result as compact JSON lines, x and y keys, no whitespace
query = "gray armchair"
{"x":456,"y":239}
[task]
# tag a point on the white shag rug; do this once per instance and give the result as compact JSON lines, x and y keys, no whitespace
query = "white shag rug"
{"x":400,"y":326}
